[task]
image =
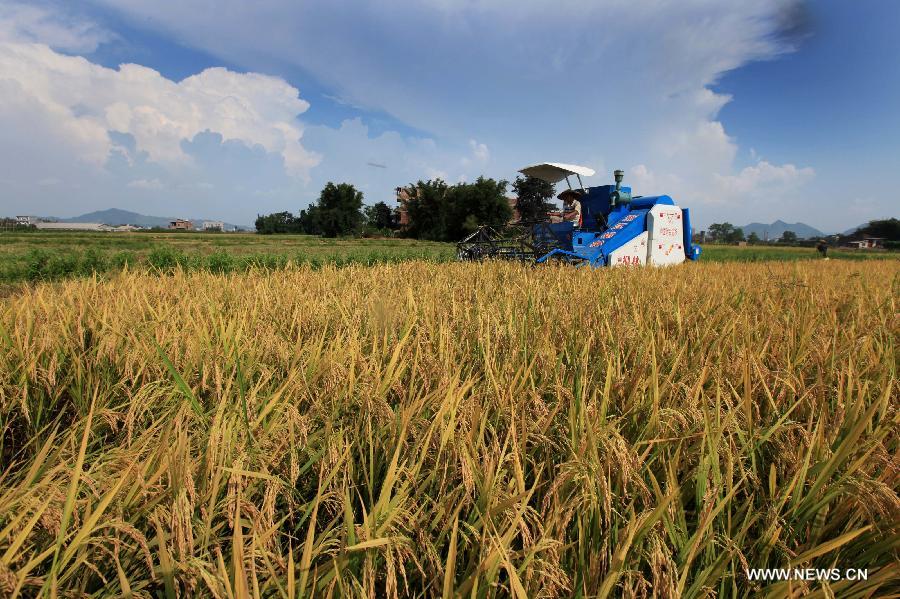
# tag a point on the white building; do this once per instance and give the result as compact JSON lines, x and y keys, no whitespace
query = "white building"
{"x":868,"y":243}
{"x":27,"y":221}
{"x":213,"y":225}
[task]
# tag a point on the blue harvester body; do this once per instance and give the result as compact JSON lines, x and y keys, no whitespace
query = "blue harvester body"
{"x":616,"y":229}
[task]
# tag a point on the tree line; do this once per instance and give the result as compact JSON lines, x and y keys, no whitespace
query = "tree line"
{"x":887,"y":229}
{"x":436,"y":210}
{"x":728,"y":233}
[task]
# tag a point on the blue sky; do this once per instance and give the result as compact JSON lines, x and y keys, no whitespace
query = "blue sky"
{"x":779,"y":109}
{"x":833,"y":103}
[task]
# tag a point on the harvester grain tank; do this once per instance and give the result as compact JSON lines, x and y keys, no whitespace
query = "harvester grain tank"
{"x":613,"y":228}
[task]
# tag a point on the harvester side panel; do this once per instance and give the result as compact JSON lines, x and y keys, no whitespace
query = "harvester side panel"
{"x":666,"y":228}
{"x":632,"y":253}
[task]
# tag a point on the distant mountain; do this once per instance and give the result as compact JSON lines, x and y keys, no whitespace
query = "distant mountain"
{"x":776,"y":229}
{"x":115,"y":216}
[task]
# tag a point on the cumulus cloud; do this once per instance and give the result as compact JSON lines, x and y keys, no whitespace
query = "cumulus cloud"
{"x":764,"y":175}
{"x":90,"y":100}
{"x":697,"y":167}
{"x":762,"y":181}
{"x":99,"y":132}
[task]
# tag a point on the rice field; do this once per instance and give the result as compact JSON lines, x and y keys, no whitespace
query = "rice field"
{"x":46,"y":256}
{"x":34,"y":256}
{"x":441,"y":430}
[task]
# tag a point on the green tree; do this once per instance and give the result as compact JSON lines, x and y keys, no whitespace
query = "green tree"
{"x":338,"y":211}
{"x":439,"y":212}
{"x":279,"y":222}
{"x":472,"y":204}
{"x":721,"y":232}
{"x":308,"y":221}
{"x":533,"y":198}
{"x":427,"y":210}
{"x":736,"y":235}
{"x":889,"y":229}
{"x":753,"y":238}
{"x":380,"y":217}
{"x":788,"y":237}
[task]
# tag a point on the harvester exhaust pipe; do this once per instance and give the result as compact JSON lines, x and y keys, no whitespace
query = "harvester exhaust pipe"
{"x":619,"y":196}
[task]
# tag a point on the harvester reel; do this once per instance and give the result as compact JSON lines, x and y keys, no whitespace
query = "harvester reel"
{"x":518,"y":241}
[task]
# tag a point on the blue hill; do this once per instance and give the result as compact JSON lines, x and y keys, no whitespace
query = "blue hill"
{"x":776,"y":230}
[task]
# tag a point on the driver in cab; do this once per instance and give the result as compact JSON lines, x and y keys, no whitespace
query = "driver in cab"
{"x":571,"y":200}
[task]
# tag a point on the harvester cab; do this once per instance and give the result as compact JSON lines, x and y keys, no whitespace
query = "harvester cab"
{"x":615,"y":228}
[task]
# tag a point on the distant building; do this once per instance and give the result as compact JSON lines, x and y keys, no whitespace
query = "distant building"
{"x":27,"y":221}
{"x":181,"y":225}
{"x":401,"y":210}
{"x":868,"y":243}
{"x":512,"y":201}
{"x":213,"y":225}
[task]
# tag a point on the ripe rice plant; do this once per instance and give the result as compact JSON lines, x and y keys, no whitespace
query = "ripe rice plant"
{"x":476,"y":430}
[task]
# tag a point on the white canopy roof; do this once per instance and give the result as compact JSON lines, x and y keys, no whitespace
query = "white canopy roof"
{"x":554,"y":172}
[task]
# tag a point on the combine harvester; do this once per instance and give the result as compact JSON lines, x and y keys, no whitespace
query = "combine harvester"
{"x":612,"y":228}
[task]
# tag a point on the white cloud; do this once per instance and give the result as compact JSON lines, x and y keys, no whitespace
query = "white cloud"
{"x":702,"y":174}
{"x":760,"y":189}
{"x":54,"y":27}
{"x":764,"y":176}
{"x":479,"y":151}
{"x":106,"y":137}
{"x":87,"y":101}
{"x":699,"y":163}
{"x":478,"y":157}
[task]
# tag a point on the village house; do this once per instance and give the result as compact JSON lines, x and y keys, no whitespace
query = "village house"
{"x":868,"y":243}
{"x":181,"y":225}
{"x":401,"y":211}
